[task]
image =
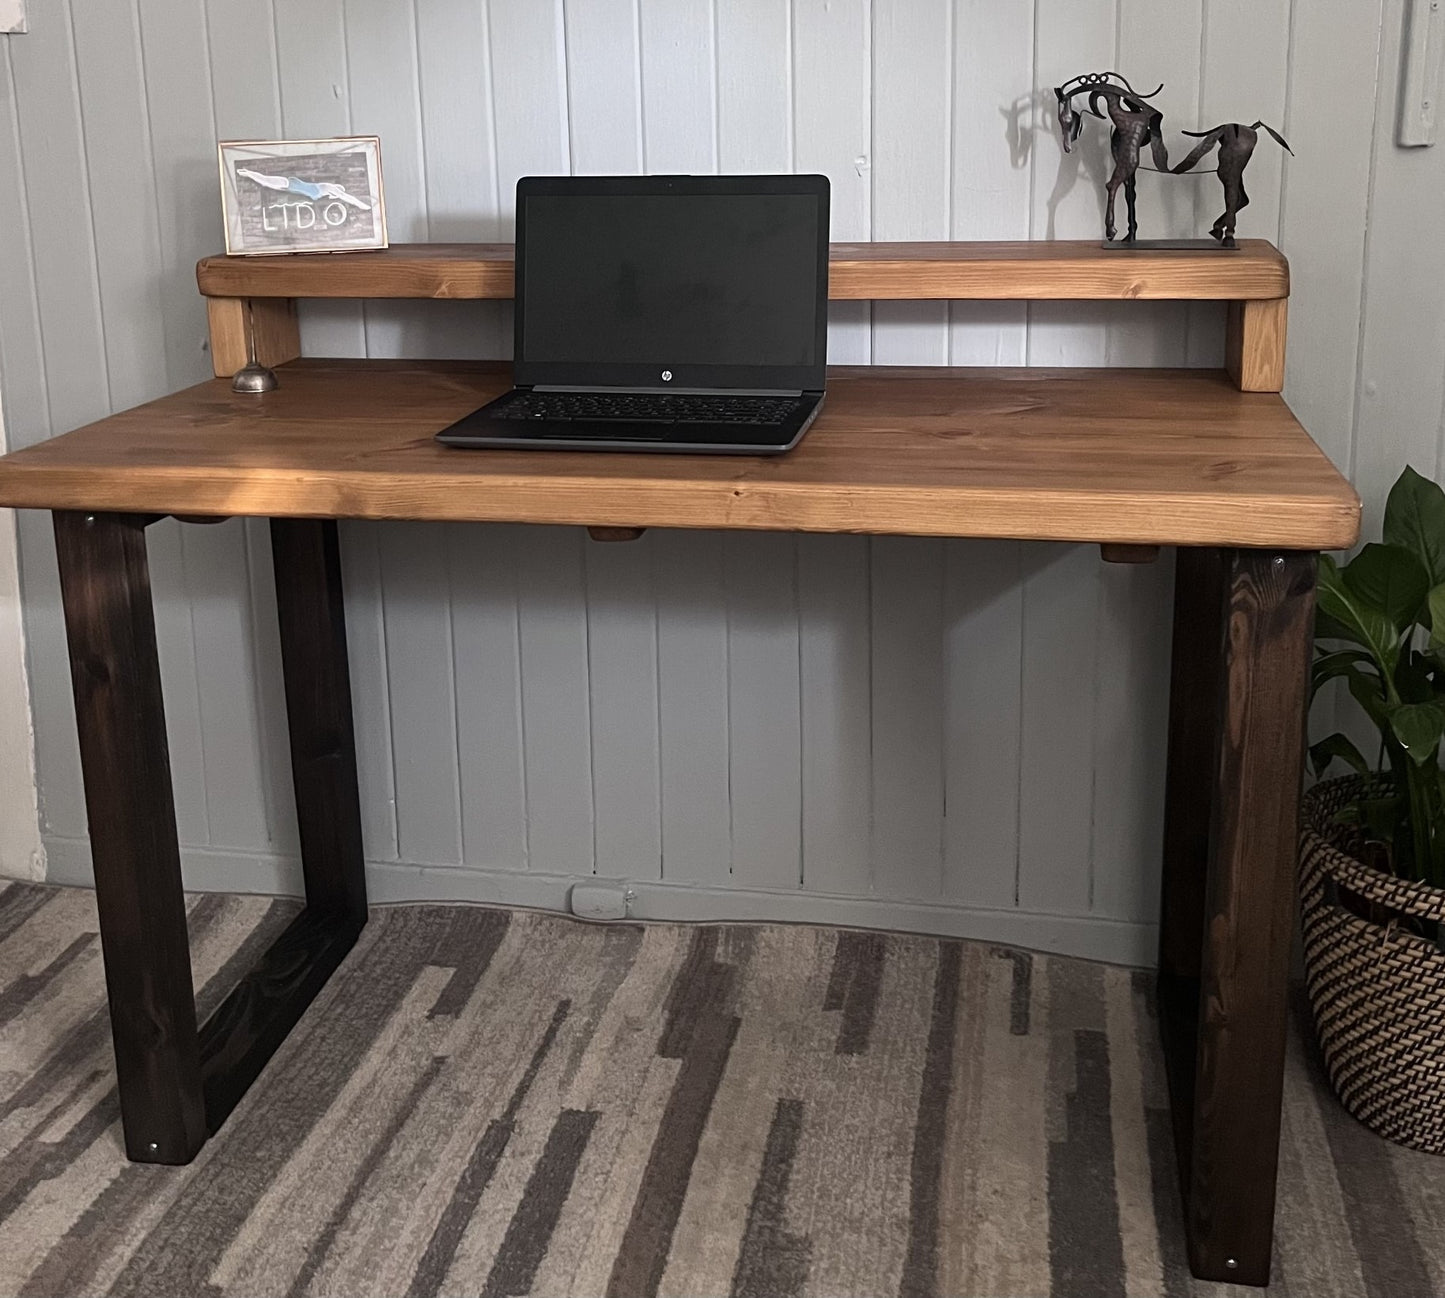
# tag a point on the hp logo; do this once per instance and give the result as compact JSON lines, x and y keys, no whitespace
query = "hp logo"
{"x":667,"y":376}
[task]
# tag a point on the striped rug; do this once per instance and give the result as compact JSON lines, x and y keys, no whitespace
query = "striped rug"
{"x":498,"y":1102}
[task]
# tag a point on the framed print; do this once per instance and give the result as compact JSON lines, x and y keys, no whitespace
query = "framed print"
{"x":302,"y":195}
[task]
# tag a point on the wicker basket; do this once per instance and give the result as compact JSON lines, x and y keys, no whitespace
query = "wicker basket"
{"x":1377,"y":990}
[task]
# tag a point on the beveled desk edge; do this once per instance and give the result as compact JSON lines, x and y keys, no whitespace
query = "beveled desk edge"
{"x":943,"y":468}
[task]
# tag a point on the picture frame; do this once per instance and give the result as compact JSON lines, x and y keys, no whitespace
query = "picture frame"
{"x":284,"y":196}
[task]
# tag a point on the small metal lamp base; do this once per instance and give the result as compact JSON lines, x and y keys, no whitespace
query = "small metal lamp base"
{"x":254,"y":378}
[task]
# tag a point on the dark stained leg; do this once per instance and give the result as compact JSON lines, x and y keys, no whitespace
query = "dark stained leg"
{"x":1242,"y":635}
{"x":307,"y":557}
{"x":245,"y":1030}
{"x":178,"y":1084}
{"x":1193,"y":738}
{"x":1194,"y":672}
{"x":105,"y":588}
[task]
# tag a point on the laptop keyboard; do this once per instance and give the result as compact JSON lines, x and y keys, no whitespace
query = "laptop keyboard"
{"x":646,"y":407}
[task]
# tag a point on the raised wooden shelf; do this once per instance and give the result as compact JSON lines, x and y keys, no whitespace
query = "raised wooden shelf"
{"x":1076,"y":270}
{"x":1133,"y":457}
{"x":255,"y":295}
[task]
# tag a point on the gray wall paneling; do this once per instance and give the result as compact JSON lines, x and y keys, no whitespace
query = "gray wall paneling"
{"x":963,"y":737}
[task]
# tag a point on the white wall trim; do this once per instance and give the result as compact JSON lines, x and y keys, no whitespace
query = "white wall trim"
{"x":1089,"y":937}
{"x":22,"y":855}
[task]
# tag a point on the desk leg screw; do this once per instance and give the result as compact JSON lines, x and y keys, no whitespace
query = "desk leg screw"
{"x":1229,"y":1261}
{"x":155,"y":1148}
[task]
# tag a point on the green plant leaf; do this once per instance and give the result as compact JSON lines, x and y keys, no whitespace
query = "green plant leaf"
{"x":1435,"y":606}
{"x":1412,"y":678}
{"x":1366,"y":624}
{"x":1418,"y":727}
{"x":1328,"y":628}
{"x":1337,"y":745}
{"x":1377,"y":819}
{"x":1331,"y":666}
{"x":1415,"y":519}
{"x":1391,"y":579}
{"x":1327,"y":666}
{"x":1368,"y":692}
{"x":1380,"y":819}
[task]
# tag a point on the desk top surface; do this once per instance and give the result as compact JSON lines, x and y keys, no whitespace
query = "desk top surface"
{"x":1126,"y":456}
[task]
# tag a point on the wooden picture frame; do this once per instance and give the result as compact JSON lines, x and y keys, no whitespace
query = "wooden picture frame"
{"x":281,"y":196}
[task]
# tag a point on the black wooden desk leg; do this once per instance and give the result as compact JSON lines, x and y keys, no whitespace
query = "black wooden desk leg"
{"x":244,"y":1032}
{"x":307,"y":558}
{"x":1242,"y":634}
{"x":177,"y":1084}
{"x":105,"y":587}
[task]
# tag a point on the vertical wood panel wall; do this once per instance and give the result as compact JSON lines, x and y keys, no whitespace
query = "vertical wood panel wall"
{"x":951,"y":736}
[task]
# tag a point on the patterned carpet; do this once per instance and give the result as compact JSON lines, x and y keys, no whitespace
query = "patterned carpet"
{"x":493,"y":1102}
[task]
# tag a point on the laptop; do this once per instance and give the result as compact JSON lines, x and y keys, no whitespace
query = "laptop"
{"x":664,"y":313}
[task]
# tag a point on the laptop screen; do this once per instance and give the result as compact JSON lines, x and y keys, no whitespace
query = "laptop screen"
{"x":672,"y":282}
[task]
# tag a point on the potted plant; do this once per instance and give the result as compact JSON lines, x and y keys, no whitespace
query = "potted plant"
{"x":1372,"y":843}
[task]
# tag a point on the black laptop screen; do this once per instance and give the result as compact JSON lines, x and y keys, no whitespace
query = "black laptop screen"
{"x":670,"y":287}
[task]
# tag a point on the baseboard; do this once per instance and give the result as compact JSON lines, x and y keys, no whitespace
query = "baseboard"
{"x":205,"y":869}
{"x":1088,"y":937}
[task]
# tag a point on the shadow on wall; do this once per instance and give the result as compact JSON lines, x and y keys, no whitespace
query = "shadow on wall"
{"x":1032,"y":116}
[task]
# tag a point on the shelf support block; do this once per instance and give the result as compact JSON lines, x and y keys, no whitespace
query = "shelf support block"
{"x":1254,"y":344}
{"x":278,"y":338}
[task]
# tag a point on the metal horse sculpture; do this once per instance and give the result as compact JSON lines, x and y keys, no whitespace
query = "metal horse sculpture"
{"x":1135,"y":123}
{"x":1236,"y":145}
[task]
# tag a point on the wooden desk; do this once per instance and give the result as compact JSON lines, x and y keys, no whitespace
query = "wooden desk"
{"x":1138,"y":458}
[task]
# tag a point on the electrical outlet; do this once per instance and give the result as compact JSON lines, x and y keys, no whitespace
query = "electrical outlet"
{"x":600,"y":901}
{"x":12,"y":17}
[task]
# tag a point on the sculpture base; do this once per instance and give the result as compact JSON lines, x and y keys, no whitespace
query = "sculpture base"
{"x":1159,"y":245}
{"x":253,"y":377}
